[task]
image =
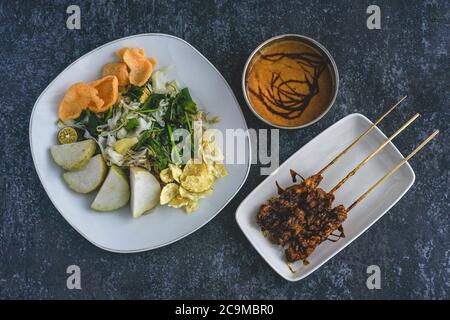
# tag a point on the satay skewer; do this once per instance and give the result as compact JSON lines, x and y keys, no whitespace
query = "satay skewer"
{"x":341,"y":212}
{"x":393,"y":170}
{"x":373,"y":154}
{"x":361,"y":136}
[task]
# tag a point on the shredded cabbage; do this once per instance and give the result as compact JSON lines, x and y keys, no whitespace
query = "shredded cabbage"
{"x":113,"y":157}
{"x":142,"y":126}
{"x":110,"y":140}
{"x":159,"y":114}
{"x":159,"y":80}
{"x":122,"y":133}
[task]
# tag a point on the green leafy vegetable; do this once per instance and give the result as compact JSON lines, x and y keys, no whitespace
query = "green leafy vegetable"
{"x":131,"y":124}
{"x":134,"y":92}
{"x":161,"y":154}
{"x":153,"y":102}
{"x":90,"y":121}
{"x":184,"y":101}
{"x":110,"y":112}
{"x":142,"y":140}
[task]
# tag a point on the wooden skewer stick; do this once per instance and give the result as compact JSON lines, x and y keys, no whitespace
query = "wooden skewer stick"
{"x":373,"y":154}
{"x":361,"y":136}
{"x":393,"y":170}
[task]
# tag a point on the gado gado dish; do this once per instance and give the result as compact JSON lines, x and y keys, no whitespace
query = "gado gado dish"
{"x":118,"y":135}
{"x":290,"y":81}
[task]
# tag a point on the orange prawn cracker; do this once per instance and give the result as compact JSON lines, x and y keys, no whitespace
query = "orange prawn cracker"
{"x":118,"y":69}
{"x":122,"y":51}
{"x":153,"y":61}
{"x":108,"y":92}
{"x":140,"y":67}
{"x":76,"y":99}
{"x":139,"y":51}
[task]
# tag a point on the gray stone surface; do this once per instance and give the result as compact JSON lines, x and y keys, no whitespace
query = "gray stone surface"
{"x":408,"y":56}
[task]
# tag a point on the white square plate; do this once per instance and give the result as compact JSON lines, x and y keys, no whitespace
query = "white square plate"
{"x":117,"y":231}
{"x":310,"y":159}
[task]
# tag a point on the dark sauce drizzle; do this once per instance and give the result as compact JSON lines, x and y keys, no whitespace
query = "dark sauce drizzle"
{"x":337,"y":236}
{"x":294,"y":175}
{"x":281,"y":98}
{"x":280,"y":190}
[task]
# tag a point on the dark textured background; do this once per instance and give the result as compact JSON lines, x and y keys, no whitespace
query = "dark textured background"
{"x":408,"y":56}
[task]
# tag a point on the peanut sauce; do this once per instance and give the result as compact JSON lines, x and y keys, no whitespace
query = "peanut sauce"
{"x":289,"y":83}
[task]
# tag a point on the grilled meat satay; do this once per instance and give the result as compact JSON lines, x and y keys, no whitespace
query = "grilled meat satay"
{"x":306,"y":242}
{"x":293,"y":210}
{"x":308,"y":217}
{"x":303,"y":208}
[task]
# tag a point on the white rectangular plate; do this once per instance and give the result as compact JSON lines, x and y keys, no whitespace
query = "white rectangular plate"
{"x":310,"y":159}
{"x":117,"y":231}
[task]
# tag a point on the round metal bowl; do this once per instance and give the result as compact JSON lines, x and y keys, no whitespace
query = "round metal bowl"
{"x":312,"y":43}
